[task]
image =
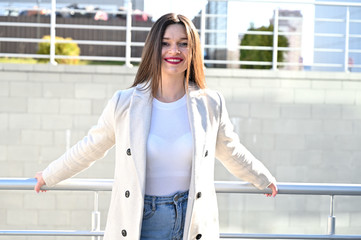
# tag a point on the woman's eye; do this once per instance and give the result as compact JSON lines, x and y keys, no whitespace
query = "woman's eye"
{"x":165,"y":44}
{"x":184,"y":44}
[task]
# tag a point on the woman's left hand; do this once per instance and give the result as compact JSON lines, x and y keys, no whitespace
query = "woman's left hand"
{"x":274,"y":189}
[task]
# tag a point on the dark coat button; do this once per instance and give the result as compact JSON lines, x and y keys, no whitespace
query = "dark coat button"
{"x":199,"y":195}
{"x":129,"y":152}
{"x":206,"y":154}
{"x":124,"y":233}
{"x":199,"y":236}
{"x":127,"y":194}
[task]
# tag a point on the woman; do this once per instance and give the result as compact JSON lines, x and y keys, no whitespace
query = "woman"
{"x":167,"y":130}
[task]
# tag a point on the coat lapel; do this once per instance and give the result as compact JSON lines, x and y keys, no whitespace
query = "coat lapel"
{"x":197,"y":112}
{"x":196,"y":109}
{"x":140,"y":112}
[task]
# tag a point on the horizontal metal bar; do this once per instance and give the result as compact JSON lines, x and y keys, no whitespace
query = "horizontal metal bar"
{"x":326,"y":65}
{"x":354,"y":51}
{"x":78,"y":184}
{"x":289,"y":49}
{"x":92,"y":42}
{"x":24,"y":24}
{"x":81,"y":42}
{"x":290,"y":33}
{"x":238,"y":62}
{"x":355,"y":35}
{"x":73,"y":26}
{"x":70,"y":184}
{"x":99,"y":27}
{"x":23,"y":55}
{"x":255,"y":48}
{"x":328,"y":50}
{"x":222,"y":235}
{"x":286,"y":236}
{"x":50,"y":233}
{"x":100,"y":58}
{"x":267,"y":48}
{"x":355,"y":20}
{"x":311,"y":2}
{"x":140,"y":29}
{"x":271,"y":33}
{"x":329,"y":20}
{"x":31,"y":40}
{"x":65,"y":10}
{"x":329,"y":35}
{"x":257,"y":32}
{"x":292,"y":188}
{"x":97,"y":58}
{"x":290,"y":64}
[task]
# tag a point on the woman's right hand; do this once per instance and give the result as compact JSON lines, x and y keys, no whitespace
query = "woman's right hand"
{"x":40,"y":183}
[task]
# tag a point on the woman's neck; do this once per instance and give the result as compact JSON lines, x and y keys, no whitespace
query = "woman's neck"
{"x":171,"y":90}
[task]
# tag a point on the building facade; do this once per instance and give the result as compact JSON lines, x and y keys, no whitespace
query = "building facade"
{"x":216,"y":34}
{"x":331,"y":20}
{"x":291,"y":22}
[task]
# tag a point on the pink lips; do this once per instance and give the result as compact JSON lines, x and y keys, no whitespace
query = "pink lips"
{"x":173,"y":60}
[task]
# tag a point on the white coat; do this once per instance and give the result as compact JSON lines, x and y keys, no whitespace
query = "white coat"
{"x":125,"y":122}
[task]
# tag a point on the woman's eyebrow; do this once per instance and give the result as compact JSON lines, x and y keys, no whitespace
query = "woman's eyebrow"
{"x":165,"y":38}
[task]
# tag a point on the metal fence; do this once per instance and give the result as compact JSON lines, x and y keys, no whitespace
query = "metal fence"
{"x":96,"y":185}
{"x":348,"y":47}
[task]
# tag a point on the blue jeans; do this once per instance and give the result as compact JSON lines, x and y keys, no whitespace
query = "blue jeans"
{"x":163,"y":217}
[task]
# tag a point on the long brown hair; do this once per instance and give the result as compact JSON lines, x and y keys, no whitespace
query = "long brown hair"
{"x":150,"y":66}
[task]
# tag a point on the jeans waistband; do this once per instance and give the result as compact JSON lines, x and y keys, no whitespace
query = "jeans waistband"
{"x":179,"y":196}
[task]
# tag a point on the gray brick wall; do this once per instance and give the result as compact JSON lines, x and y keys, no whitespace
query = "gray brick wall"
{"x":305,"y":126}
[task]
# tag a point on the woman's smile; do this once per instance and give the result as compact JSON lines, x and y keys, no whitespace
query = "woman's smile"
{"x":173,"y":60}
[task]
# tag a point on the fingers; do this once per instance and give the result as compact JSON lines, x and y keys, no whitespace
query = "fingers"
{"x":274,"y":189}
{"x":37,"y":187}
{"x":40,"y":182}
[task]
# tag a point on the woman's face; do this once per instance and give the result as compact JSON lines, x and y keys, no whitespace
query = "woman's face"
{"x":174,"y":51}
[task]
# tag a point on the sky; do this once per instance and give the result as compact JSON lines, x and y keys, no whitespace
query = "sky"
{"x":188,"y":8}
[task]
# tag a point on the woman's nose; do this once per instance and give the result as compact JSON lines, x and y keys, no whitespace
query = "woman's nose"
{"x":174,"y":49}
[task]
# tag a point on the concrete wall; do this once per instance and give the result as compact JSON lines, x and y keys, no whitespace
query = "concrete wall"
{"x":305,"y":126}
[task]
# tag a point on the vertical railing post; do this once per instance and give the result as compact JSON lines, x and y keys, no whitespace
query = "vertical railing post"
{"x":275,"y":40}
{"x":331,"y":225}
{"x":203,"y":29}
{"x":347,"y":37}
{"x":96,"y":216}
{"x":52,"y":32}
{"x":128,"y":39}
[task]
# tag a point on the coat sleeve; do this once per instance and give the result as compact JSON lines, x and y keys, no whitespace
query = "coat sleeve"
{"x":92,"y":147}
{"x":235,"y":157}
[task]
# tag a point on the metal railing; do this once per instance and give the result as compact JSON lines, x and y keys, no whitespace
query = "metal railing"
{"x":204,"y":18}
{"x":96,"y":185}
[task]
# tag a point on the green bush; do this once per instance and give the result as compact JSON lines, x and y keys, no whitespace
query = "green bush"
{"x":261,"y":55}
{"x":67,"y":49}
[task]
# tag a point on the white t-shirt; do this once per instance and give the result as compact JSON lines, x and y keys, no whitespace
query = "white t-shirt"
{"x":169,"y":149}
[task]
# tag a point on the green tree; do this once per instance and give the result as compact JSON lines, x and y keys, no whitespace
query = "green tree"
{"x":261,"y":40}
